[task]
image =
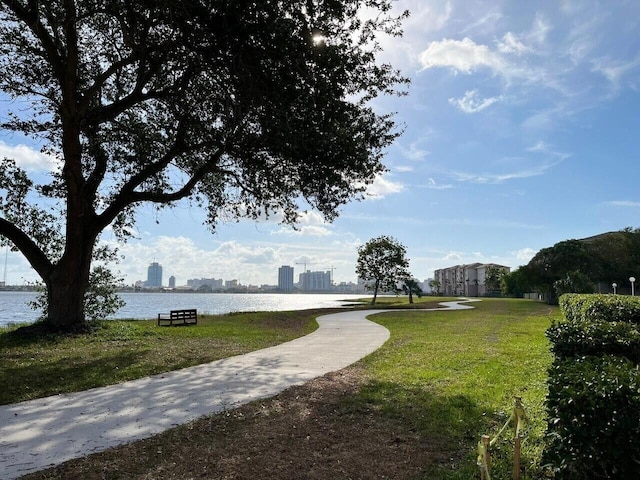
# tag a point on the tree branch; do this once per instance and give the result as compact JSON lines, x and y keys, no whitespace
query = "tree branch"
{"x":31,"y":18}
{"x":34,"y":255}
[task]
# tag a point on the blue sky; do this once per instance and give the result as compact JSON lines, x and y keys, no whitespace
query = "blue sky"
{"x":522,"y":128}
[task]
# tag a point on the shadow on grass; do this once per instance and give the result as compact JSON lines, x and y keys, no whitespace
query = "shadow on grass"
{"x":335,"y":426}
{"x":340,"y":425}
{"x":39,"y":379}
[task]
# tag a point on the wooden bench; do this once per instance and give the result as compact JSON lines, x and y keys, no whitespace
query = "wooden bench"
{"x":178,"y":317}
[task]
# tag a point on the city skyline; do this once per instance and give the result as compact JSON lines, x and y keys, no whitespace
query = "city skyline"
{"x":308,"y":280}
{"x":520,"y":131}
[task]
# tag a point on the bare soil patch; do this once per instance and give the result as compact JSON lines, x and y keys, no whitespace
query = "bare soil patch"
{"x":307,"y":432}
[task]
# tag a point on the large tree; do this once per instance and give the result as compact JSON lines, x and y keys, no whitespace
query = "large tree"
{"x":244,"y":108}
{"x":382,"y":263}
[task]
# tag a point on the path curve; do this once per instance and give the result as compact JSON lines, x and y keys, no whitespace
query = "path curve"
{"x":41,"y":433}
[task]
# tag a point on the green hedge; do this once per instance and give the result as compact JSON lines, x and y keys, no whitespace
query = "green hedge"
{"x":575,"y":339}
{"x":607,"y":308}
{"x":594,"y":419}
{"x":593,"y":404}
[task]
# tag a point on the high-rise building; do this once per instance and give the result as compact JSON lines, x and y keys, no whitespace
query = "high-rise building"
{"x":315,"y":281}
{"x":154,"y":275}
{"x":215,"y":284}
{"x":285,"y":278}
{"x":172,"y":282}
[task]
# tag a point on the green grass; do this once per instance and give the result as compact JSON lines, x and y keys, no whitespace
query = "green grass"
{"x":453,"y":376}
{"x":35,"y":364}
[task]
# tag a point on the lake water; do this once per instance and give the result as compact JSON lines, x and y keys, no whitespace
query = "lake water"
{"x":14,"y":305}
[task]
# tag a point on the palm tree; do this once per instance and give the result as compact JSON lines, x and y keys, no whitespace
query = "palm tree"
{"x":410,"y":287}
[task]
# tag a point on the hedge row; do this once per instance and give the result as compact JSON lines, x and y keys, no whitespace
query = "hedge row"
{"x":594,"y":419}
{"x":594,"y":388}
{"x":606,"y":308}
{"x":576,"y":339}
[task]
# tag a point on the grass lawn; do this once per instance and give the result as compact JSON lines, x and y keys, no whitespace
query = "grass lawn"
{"x":453,"y":376}
{"x":414,"y":409}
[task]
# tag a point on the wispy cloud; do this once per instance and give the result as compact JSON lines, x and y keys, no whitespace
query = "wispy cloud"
{"x":436,"y":186}
{"x":615,"y":70}
{"x":414,"y":151}
{"x":511,"y":43}
{"x":496,"y":178}
{"x":539,"y":29}
{"x":472,"y":103}
{"x":546,"y":149}
{"x":623,"y":203}
{"x":521,"y":167}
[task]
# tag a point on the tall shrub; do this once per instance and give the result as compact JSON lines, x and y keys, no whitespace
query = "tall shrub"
{"x":594,"y":389}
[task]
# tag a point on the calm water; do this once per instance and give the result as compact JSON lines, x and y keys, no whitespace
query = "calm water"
{"x":14,"y":308}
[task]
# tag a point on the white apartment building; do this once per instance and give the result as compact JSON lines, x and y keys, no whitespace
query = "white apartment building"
{"x":465,"y":280}
{"x":285,"y":278}
{"x":315,"y":281}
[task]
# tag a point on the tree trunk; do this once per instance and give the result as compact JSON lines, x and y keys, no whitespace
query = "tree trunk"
{"x":410,"y":296}
{"x":66,"y":288}
{"x":375,"y":293}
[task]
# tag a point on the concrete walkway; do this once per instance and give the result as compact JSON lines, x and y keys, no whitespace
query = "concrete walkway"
{"x":41,"y":433}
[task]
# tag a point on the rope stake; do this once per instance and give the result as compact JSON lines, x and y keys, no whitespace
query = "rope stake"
{"x":518,"y":417}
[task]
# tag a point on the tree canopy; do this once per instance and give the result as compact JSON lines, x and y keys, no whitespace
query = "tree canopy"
{"x":245,"y":108}
{"x":382,"y":263}
{"x":577,"y":265}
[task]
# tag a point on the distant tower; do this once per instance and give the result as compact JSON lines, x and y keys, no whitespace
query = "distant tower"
{"x":172,"y":282}
{"x":285,"y":278}
{"x":154,"y":275}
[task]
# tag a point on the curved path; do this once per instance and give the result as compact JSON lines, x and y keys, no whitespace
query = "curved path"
{"x":41,"y":433}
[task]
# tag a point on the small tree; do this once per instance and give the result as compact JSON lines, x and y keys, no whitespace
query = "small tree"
{"x":382,"y":262}
{"x":410,"y":287}
{"x":435,"y":285}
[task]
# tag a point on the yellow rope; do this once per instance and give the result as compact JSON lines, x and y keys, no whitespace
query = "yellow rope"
{"x":518,"y":416}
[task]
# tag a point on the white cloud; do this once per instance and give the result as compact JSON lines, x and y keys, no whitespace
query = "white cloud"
{"x":472,"y":103}
{"x":403,"y":168}
{"x":454,"y":256}
{"x":28,"y":158}
{"x":381,"y":187}
{"x":461,"y":55}
{"x":310,"y":224}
